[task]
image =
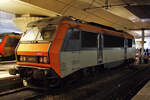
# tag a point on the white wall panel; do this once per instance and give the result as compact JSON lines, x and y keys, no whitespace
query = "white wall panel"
{"x":113,"y":54}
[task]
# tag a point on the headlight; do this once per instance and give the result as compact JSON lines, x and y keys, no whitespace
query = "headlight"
{"x":43,"y":60}
{"x":22,"y":58}
{"x":34,"y":59}
{"x":28,"y":59}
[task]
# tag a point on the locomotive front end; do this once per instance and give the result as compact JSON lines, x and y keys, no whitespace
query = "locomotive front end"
{"x":8,"y":43}
{"x":35,"y":54}
{"x":1,"y":47}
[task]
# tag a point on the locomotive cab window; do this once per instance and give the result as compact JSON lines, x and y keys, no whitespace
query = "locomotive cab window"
{"x":72,"y":40}
{"x":48,"y":34}
{"x":36,"y":34}
{"x":30,"y":34}
{"x":129,"y":42}
{"x":89,"y":39}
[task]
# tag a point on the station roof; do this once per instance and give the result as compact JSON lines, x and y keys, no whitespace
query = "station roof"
{"x":128,"y":15}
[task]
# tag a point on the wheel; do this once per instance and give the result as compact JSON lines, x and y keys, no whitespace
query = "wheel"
{"x":54,"y":82}
{"x":74,"y":78}
{"x":87,"y":72}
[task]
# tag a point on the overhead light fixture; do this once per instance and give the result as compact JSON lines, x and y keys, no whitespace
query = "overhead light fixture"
{"x":145,"y":20}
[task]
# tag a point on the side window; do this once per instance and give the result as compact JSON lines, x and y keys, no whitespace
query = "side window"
{"x":72,"y":40}
{"x":89,"y":39}
{"x":11,"y":41}
{"x":129,"y":42}
{"x":15,"y":41}
{"x":113,"y":41}
{"x":8,"y":42}
{"x":1,"y":39}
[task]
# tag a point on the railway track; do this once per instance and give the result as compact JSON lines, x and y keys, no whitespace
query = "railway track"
{"x":104,"y":88}
{"x":23,"y":93}
{"x":10,"y":83}
{"x":5,"y":93}
{"x":126,"y":87}
{"x":111,"y":84}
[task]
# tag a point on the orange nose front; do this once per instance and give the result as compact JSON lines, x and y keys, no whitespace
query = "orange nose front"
{"x":33,"y":54}
{"x":33,"y":49}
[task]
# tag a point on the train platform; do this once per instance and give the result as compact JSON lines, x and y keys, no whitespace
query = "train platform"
{"x":4,"y":67}
{"x":144,"y":93}
{"x":7,"y":62}
{"x":4,"y":74}
{"x":8,"y":81}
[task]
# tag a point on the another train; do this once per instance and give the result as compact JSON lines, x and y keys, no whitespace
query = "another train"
{"x":56,"y":48}
{"x":8,"y":43}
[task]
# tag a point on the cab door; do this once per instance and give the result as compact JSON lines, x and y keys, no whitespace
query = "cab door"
{"x":74,"y":40}
{"x":125,"y":48}
{"x":99,"y":49}
{"x":70,"y":54}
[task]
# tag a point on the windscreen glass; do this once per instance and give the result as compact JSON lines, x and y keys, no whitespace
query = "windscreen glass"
{"x":48,"y":33}
{"x":35,"y":34}
{"x":30,"y":34}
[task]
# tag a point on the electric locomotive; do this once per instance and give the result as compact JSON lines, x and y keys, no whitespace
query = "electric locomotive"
{"x":52,"y":49}
{"x":8,"y":43}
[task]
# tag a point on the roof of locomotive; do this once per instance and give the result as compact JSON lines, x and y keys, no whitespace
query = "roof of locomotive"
{"x":4,"y":34}
{"x":48,"y":21}
{"x":56,"y":20}
{"x":109,"y":28}
{"x":16,"y":35}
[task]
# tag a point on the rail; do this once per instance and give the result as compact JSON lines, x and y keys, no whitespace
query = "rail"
{"x":111,"y":84}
